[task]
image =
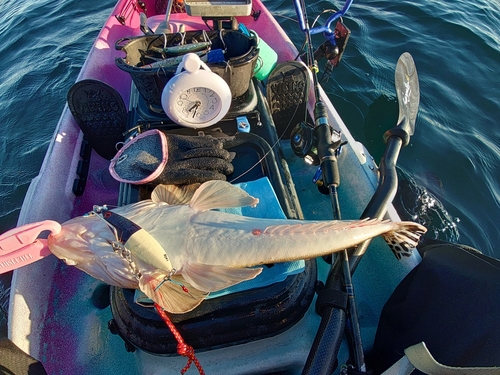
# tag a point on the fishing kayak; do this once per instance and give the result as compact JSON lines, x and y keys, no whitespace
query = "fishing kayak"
{"x":75,"y":324}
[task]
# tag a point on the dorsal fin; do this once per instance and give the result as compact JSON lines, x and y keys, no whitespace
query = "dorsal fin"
{"x":173,"y":195}
{"x":220,"y":194}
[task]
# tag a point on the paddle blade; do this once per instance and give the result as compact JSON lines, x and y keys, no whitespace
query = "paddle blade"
{"x":408,"y":92}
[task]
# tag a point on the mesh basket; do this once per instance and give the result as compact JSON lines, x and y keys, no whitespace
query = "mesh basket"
{"x":240,"y":53}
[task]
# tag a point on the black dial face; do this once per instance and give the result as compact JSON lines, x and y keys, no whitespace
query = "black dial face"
{"x":198,"y":105}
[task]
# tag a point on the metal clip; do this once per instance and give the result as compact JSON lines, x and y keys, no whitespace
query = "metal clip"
{"x":242,"y":124}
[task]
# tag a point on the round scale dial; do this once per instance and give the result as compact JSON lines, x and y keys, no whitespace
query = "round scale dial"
{"x":195,"y":97}
{"x":199,"y":104}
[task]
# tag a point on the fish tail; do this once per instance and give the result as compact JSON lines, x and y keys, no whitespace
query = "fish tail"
{"x":404,"y":238}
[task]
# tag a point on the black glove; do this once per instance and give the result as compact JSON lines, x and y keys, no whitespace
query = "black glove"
{"x":157,"y":158}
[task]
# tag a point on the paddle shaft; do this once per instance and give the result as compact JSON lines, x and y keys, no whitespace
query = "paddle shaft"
{"x":383,"y":196}
{"x":322,"y":358}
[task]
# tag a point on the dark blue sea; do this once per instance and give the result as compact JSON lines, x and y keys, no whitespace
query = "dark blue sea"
{"x":450,"y":172}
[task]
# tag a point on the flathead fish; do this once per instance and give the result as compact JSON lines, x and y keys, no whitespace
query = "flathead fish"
{"x":181,"y":249}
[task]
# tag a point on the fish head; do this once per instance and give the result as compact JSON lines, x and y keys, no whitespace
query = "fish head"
{"x":84,"y":242}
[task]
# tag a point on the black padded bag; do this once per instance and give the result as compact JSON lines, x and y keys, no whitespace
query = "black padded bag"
{"x":13,"y":361}
{"x":451,"y":301}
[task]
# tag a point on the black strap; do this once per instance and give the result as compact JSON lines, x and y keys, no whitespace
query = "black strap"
{"x":332,"y":298}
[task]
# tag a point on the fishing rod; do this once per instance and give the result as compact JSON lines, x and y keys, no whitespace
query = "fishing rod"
{"x":323,"y":355}
{"x":328,"y":142}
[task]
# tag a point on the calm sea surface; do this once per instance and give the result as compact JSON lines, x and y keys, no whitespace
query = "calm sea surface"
{"x":450,"y":173}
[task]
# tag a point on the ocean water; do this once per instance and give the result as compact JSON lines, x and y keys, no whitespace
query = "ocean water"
{"x":449,"y":172}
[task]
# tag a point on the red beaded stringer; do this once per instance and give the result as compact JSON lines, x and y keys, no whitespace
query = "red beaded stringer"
{"x":182,"y":348}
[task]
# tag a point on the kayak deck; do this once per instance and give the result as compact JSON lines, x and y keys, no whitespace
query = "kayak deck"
{"x":61,"y":315}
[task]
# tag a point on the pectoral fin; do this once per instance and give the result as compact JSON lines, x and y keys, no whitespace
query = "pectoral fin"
{"x":213,"y":278}
{"x":175,"y":295}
